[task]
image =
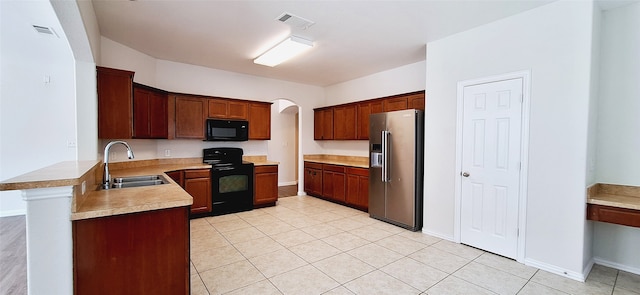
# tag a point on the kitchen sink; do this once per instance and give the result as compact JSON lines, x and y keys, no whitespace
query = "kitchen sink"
{"x":137,"y":181}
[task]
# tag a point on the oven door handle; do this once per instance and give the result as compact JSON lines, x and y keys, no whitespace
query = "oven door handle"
{"x":224,"y":168}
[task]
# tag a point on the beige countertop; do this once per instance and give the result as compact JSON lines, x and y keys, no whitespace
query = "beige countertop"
{"x":613,"y":195}
{"x":353,"y":161}
{"x":100,"y":203}
{"x":61,"y":174}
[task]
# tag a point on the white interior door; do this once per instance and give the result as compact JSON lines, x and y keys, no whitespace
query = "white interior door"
{"x":491,"y":139}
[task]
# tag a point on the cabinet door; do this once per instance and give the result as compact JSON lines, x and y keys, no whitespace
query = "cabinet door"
{"x":189,"y":117}
{"x":265,"y":185}
{"x":308,"y":180}
{"x":317,"y":182}
{"x":327,"y":184}
{"x":333,"y":182}
{"x":115,"y":99}
{"x":137,"y":253}
{"x":323,"y":124}
{"x":358,"y":187}
{"x":141,"y":113}
{"x":364,"y":110}
{"x":416,"y":101}
{"x":327,"y":124}
{"x":395,"y":104}
{"x":317,"y":124}
{"x":158,"y":123}
{"x":344,"y":125}
{"x":200,"y":190}
{"x":217,"y":108}
{"x":376,"y":107}
{"x":260,"y":121}
{"x":149,"y":114}
{"x":238,"y":110}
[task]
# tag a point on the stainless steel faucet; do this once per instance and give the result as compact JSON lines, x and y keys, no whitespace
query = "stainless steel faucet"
{"x":106,"y":178}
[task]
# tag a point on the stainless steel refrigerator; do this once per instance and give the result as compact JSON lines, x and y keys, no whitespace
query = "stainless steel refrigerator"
{"x":396,"y":147}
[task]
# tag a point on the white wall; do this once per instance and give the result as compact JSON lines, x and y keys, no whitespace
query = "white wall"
{"x":408,"y":78}
{"x":592,"y":135}
{"x":36,"y":119}
{"x":618,"y":157}
{"x":554,"y":42}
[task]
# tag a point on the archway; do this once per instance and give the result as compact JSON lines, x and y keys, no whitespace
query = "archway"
{"x":285,"y":145}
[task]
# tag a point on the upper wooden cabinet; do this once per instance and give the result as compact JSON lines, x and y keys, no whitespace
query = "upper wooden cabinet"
{"x":189,"y":117}
{"x":259,"y":120}
{"x":150,"y":118}
{"x":130,"y":110}
{"x":228,"y":109}
{"x":395,"y":104}
{"x":115,"y":101}
{"x":351,"y":121}
{"x":344,"y":122}
{"x":364,"y":110}
{"x":323,"y":124}
{"x":416,"y":101}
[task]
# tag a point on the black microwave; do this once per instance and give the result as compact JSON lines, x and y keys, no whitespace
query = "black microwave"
{"x":227,"y":130}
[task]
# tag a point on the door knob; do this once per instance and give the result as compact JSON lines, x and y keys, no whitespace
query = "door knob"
{"x":465,"y":174}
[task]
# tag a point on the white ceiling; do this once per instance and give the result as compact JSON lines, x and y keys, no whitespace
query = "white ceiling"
{"x":352,"y":38}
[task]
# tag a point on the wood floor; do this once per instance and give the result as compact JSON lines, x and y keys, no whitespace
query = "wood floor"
{"x":13,"y":255}
{"x":287,"y":191}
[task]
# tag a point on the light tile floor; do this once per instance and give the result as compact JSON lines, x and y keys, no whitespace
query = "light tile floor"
{"x":305,"y":245}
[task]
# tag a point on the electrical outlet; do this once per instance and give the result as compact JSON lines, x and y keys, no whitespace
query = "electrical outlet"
{"x":71,"y":143}
{"x":113,"y":156}
{"x":167,"y":153}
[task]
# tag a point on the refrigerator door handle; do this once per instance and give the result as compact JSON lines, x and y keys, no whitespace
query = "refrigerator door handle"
{"x":385,"y":156}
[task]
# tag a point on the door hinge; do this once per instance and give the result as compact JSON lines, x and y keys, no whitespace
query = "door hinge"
{"x":518,"y":232}
{"x":519,"y":166}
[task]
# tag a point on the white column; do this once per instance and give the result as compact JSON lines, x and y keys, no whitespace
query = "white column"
{"x":300,"y":156}
{"x":49,"y":240}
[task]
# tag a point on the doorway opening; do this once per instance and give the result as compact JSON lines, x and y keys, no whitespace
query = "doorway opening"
{"x":284,"y":145}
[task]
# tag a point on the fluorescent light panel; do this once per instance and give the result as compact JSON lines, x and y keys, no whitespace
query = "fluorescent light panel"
{"x":285,"y":50}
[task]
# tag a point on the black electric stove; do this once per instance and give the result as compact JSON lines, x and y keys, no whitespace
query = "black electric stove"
{"x":231,"y":180}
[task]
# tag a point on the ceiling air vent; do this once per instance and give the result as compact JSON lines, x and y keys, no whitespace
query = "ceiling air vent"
{"x":295,"y":21}
{"x":45,"y":30}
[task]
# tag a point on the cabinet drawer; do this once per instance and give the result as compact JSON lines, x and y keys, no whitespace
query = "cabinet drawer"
{"x":615,"y":215}
{"x":313,"y":165}
{"x":333,"y":168}
{"x":199,"y":173}
{"x":265,"y":169}
{"x":358,"y":171}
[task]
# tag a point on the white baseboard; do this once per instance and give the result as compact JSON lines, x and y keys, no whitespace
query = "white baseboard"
{"x":437,"y":235}
{"x":287,"y":183}
{"x":7,"y":213}
{"x":557,"y":270}
{"x":607,"y":263}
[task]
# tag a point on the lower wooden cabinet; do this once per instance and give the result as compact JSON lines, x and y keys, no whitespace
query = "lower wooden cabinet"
{"x":137,"y":253}
{"x":197,"y":183}
{"x":333,"y":182}
{"x":341,"y":184}
{"x":313,"y":178}
{"x":265,"y":188}
{"x":358,"y":187}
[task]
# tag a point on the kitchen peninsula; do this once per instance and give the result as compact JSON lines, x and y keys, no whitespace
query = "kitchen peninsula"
{"x":94,"y":227}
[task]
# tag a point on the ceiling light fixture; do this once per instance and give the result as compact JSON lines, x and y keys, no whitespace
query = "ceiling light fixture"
{"x":287,"y":49}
